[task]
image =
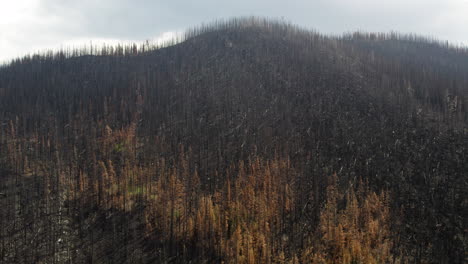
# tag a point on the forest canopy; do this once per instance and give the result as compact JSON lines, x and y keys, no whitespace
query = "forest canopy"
{"x":248,"y":140}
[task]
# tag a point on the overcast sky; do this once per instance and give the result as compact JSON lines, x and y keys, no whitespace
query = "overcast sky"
{"x":30,"y":25}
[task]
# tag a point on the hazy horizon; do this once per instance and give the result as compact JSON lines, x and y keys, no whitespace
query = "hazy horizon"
{"x":29,"y":26}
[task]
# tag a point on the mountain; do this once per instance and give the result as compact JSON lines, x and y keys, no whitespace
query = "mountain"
{"x":250,"y":141}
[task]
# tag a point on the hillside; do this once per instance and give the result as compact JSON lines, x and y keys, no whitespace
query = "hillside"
{"x":250,"y":141}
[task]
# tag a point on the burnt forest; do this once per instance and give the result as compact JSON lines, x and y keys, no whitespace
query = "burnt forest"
{"x":247,"y":140}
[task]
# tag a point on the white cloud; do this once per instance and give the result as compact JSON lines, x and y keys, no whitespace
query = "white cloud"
{"x":80,"y":43}
{"x":160,"y":40}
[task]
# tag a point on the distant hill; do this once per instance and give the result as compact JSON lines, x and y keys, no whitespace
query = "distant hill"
{"x":250,"y":141}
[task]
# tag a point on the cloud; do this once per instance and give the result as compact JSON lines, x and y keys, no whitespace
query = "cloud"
{"x":30,"y":25}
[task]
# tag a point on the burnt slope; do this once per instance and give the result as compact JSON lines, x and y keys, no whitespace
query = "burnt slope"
{"x":387,"y":109}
